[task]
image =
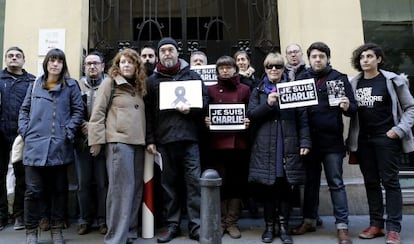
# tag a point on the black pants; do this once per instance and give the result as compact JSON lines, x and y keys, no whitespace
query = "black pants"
{"x":42,"y":184}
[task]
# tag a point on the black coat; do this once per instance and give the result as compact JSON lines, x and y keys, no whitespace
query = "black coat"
{"x":296,"y":135}
{"x":13,"y":90}
{"x":166,"y":126}
{"x":326,"y":122}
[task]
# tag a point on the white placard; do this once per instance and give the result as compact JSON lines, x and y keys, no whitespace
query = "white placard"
{"x":51,"y":38}
{"x":181,"y":93}
{"x":299,"y":93}
{"x":227,"y":116}
{"x":207,"y":73}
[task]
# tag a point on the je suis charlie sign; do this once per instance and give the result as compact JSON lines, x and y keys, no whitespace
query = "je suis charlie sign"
{"x":299,"y":93}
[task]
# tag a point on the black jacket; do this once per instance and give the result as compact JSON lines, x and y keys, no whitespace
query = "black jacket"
{"x":326,"y":121}
{"x":166,"y":126}
{"x":264,"y":120}
{"x":13,"y":90}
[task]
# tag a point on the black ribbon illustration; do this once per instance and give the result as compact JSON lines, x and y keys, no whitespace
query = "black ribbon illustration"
{"x":180,"y":94}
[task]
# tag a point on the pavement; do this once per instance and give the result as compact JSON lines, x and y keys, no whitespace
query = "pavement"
{"x":251,"y":228}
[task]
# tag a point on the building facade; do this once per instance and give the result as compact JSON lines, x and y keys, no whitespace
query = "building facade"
{"x":218,"y":27}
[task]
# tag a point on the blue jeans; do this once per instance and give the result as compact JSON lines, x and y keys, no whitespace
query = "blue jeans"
{"x":332,"y":164}
{"x":181,"y":161}
{"x":92,"y":181}
{"x":378,"y":160}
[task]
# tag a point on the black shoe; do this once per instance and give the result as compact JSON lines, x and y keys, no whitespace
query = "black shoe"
{"x":319,"y":221}
{"x":83,"y":229}
{"x":195,"y":234}
{"x":269,"y":234}
{"x":170,"y":233}
{"x":18,"y":223}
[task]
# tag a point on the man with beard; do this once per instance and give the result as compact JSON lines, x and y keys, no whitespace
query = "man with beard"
{"x":149,"y":58}
{"x":174,"y":133}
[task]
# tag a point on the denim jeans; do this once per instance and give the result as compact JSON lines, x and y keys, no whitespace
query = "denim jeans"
{"x":332,"y":164}
{"x":378,"y":159}
{"x":92,"y":186}
{"x":181,"y":160}
{"x":42,"y":184}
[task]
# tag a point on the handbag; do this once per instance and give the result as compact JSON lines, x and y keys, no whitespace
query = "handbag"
{"x":17,"y":149}
{"x":18,"y":144}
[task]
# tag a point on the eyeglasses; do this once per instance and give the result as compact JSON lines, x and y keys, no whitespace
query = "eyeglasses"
{"x":277,"y":66}
{"x":293,"y":52}
{"x":92,"y":63}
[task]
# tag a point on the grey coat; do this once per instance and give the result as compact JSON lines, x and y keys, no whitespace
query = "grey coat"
{"x":402,"y":111}
{"x":48,"y":123}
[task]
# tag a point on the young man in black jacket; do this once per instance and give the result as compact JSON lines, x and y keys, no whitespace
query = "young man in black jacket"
{"x":328,"y":149}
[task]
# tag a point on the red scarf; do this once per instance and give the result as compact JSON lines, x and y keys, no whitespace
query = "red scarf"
{"x":169,"y":71}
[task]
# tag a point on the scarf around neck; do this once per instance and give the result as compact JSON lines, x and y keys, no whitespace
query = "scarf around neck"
{"x":292,"y":69}
{"x":169,"y":71}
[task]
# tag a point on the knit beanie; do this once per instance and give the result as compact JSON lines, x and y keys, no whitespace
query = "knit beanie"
{"x":167,"y":40}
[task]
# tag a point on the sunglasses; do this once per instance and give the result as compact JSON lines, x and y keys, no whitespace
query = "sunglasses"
{"x":277,"y":66}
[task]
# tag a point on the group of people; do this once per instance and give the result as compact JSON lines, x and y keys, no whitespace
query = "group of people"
{"x":106,"y":122}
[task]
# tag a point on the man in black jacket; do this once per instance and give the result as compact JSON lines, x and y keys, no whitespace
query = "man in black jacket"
{"x":174,"y":133}
{"x":14,"y":81}
{"x":325,"y":121}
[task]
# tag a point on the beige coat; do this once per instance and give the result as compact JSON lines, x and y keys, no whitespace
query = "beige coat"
{"x":125,"y":121}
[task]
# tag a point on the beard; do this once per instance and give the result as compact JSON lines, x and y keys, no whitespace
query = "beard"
{"x":168,"y":63}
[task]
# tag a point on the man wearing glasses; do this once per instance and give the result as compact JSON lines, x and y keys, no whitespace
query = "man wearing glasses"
{"x":295,"y":65}
{"x":14,"y":81}
{"x":90,"y":169}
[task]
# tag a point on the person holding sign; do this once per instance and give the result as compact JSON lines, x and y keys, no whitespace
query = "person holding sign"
{"x":229,"y":147}
{"x":117,"y":123}
{"x":174,"y":133}
{"x":379,"y":133}
{"x":328,"y":149}
{"x":280,"y":138}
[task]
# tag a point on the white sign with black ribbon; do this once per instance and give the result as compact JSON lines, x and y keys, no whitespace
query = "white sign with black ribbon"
{"x":175,"y":94}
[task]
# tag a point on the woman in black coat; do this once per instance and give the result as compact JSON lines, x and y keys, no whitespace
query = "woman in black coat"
{"x":280,"y":137}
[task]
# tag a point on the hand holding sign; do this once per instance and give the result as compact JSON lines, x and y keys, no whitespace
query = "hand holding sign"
{"x":272,"y":98}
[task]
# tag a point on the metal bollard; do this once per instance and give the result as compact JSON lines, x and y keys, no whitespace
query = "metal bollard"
{"x":210,"y":229}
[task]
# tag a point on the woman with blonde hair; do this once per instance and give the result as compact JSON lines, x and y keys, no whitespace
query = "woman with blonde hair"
{"x":118,"y":123}
{"x":280,"y":138}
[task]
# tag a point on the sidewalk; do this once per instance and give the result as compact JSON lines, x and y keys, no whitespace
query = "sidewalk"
{"x":251,"y":233}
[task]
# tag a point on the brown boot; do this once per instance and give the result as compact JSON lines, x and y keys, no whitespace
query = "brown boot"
{"x":233,"y":216}
{"x":306,"y":226}
{"x":343,"y":237}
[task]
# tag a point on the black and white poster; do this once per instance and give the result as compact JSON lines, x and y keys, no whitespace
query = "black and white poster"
{"x":175,"y":94}
{"x":207,"y":73}
{"x":299,"y":93}
{"x":336,"y":91}
{"x":227,"y":116}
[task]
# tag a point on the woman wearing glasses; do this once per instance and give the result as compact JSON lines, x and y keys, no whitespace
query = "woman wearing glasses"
{"x":280,"y":137}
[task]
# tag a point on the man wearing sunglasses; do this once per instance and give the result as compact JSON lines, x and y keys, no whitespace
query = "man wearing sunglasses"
{"x":328,"y":149}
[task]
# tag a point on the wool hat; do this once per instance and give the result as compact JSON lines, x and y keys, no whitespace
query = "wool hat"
{"x":167,"y":40}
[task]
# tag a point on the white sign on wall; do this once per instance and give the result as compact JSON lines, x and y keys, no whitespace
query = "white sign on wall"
{"x":51,"y":38}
